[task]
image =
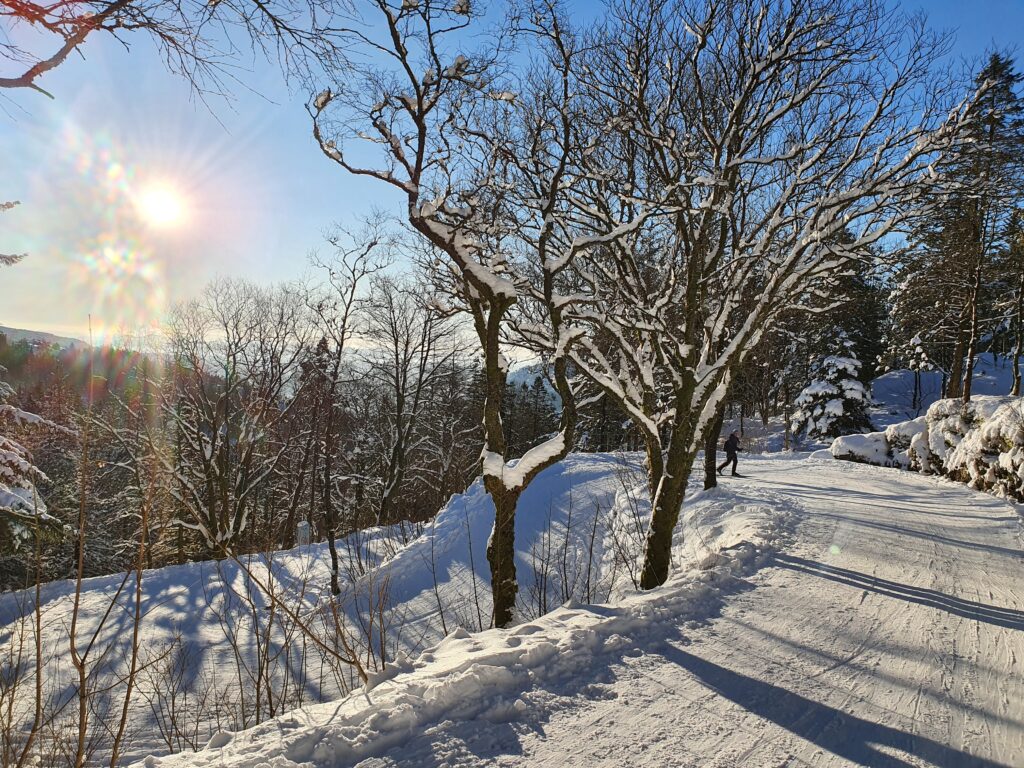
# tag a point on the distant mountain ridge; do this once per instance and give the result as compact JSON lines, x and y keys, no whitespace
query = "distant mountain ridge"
{"x":21,"y":334}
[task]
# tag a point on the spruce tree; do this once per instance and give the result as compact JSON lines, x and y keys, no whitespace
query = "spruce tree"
{"x":1010,"y":302}
{"x":835,"y":402}
{"x":862,"y":316}
{"x":22,"y":511}
{"x":946,"y":279}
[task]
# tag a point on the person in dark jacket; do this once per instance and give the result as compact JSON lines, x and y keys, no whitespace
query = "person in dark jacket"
{"x":732,"y":446}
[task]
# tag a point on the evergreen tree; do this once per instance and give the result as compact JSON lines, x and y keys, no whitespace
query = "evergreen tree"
{"x":944,"y":285}
{"x":916,"y":359}
{"x":863,"y":317}
{"x":543,"y":416}
{"x":9,"y":259}
{"x":603,"y":427}
{"x":22,"y":510}
{"x":528,"y":413}
{"x":1010,"y":304}
{"x":923,"y":315}
{"x":836,"y":402}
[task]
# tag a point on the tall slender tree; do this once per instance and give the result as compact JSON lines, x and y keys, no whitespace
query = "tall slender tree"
{"x":948,"y":272}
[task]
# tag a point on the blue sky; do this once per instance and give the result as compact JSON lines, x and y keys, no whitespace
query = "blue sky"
{"x":258,"y":193}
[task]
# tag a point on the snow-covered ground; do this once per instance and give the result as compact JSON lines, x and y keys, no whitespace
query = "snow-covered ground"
{"x":893,"y":392}
{"x":853,"y":615}
{"x":579,"y":535}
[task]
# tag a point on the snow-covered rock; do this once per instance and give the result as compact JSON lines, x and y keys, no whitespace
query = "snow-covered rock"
{"x":905,"y":446}
{"x":991,"y":455}
{"x":870,"y":448}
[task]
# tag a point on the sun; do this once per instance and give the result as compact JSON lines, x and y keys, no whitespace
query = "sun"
{"x":161,"y":205}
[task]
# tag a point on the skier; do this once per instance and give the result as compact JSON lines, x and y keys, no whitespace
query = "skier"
{"x":732,"y":445}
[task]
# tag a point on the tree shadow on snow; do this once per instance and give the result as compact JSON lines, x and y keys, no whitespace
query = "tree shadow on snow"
{"x":841,"y":733}
{"x":967,"y":609}
{"x":932,"y":536}
{"x":985,"y":509}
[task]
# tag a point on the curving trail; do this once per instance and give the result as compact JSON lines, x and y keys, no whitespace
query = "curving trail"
{"x":890,"y":632}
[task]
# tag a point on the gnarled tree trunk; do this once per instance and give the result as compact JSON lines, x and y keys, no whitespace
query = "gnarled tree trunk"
{"x":711,"y":449}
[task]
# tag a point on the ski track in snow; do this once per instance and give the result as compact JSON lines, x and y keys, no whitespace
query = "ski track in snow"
{"x":888,"y":631}
{"x":888,"y":636}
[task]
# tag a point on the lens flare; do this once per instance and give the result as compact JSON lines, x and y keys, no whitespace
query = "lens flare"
{"x":112,"y":228}
{"x":160,"y":205}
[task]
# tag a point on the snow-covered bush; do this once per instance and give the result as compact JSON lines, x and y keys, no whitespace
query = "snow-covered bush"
{"x":836,"y":402}
{"x":980,"y":443}
{"x":990,"y":457}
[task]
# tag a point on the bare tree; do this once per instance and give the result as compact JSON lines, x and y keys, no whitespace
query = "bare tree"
{"x":411,"y":343}
{"x":489,"y":169}
{"x":357,"y":256}
{"x":196,"y":40}
{"x":448,"y":454}
{"x":775,"y":127}
{"x":236,"y":355}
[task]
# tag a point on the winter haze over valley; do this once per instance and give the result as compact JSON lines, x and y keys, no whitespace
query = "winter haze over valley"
{"x":512,"y":383}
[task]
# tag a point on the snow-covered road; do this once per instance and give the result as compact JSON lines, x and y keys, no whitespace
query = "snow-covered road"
{"x":891,"y":633}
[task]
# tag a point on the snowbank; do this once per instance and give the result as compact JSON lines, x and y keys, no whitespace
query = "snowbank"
{"x":980,"y":443}
{"x":484,"y":675}
{"x":580,"y":531}
{"x":207,"y":623}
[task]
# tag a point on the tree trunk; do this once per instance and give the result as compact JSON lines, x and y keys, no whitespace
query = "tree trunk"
{"x":665,"y":514}
{"x":711,"y":449}
{"x":501,"y":552}
{"x":956,"y":368}
{"x":787,"y":433}
{"x":972,"y":339}
{"x":1015,"y":388}
{"x":328,"y":486}
{"x":288,"y":535}
{"x":392,"y":478}
{"x":1018,"y":344}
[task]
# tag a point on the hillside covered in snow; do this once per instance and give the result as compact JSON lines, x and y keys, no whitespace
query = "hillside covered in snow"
{"x":226,"y":644}
{"x":893,"y":392}
{"x":403,"y":446}
{"x":812,"y":620}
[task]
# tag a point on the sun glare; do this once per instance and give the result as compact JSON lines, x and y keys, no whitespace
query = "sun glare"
{"x":161,"y":205}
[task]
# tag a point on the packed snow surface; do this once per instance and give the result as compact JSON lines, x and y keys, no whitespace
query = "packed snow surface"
{"x":886,"y":629}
